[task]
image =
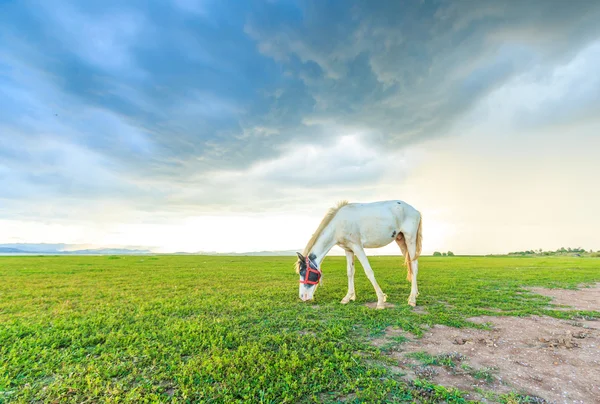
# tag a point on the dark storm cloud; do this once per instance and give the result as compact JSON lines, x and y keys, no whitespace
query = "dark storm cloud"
{"x":408,"y":70}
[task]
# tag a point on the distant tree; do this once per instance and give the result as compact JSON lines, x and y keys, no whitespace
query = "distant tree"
{"x":450,"y":254}
{"x":437,"y":254}
{"x":444,"y":254}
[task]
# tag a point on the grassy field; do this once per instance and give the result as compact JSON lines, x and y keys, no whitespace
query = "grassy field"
{"x":231,"y":329}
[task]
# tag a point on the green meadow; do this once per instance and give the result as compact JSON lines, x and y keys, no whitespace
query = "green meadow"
{"x":232,"y":329}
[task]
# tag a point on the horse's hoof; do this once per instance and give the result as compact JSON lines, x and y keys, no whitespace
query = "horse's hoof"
{"x":346,"y":299}
{"x":380,"y":307}
{"x":413,"y":304}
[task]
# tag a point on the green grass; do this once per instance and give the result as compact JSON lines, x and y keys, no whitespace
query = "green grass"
{"x":486,"y":374}
{"x":446,"y":359}
{"x":231,"y":329}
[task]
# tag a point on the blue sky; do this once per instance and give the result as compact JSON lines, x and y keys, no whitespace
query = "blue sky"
{"x":119,"y":117}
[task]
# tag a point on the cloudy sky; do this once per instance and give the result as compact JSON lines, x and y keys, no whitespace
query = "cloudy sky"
{"x":190,"y":125}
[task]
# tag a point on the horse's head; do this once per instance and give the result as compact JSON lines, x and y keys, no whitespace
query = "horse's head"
{"x":310,"y":275}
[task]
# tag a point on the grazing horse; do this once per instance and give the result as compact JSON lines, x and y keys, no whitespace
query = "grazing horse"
{"x":354,"y":227}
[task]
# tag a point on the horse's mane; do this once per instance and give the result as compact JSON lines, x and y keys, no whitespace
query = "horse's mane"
{"x":326,"y":220}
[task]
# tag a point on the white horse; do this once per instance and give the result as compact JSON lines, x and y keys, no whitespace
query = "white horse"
{"x":354,"y":227}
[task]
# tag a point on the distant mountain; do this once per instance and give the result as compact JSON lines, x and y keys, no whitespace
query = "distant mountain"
{"x":67,"y":249}
{"x":107,"y":251}
{"x":73,"y":249}
{"x":272,"y":253}
{"x":9,"y":250}
{"x":283,"y":253}
{"x":36,"y":247}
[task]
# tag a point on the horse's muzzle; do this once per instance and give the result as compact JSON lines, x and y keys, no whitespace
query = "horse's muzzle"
{"x":305,"y":297}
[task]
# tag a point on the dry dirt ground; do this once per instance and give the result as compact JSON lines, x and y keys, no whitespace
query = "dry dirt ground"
{"x":583,"y":299}
{"x":551,"y":360}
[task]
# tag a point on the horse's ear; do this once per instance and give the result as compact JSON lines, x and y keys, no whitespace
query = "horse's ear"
{"x":300,"y":256}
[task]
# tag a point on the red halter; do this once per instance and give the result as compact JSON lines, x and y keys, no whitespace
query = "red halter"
{"x":308,"y":271}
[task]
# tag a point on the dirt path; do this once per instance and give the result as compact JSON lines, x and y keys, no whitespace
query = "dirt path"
{"x":554,"y":360}
{"x":583,"y":299}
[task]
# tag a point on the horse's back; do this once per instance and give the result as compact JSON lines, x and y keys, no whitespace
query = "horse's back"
{"x":397,"y":207}
{"x":397,"y":213}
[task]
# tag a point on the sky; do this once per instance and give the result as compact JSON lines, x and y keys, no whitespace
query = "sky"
{"x":232,"y":126}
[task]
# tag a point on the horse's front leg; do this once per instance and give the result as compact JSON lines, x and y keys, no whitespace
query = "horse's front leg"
{"x":351,"y":295}
{"x":362,"y":257}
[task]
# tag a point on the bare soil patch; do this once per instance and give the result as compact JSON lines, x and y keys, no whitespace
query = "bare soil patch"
{"x":583,"y":299}
{"x":552,"y":360}
{"x":391,"y":334}
{"x":420,"y":310}
{"x":555,"y":360}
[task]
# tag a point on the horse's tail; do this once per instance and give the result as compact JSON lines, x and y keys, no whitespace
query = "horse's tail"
{"x":419,"y":237}
{"x":419,"y":244}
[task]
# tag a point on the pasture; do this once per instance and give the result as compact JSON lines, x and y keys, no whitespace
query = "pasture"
{"x":232,"y":329}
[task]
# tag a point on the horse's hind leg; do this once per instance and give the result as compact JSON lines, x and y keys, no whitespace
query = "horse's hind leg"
{"x":408,"y":246}
{"x":350,"y":269}
{"x":362,"y":257}
{"x":414,"y":290}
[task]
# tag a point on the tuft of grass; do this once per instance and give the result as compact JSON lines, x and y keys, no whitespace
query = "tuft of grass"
{"x":399,"y":339}
{"x":232,"y":329}
{"x":425,"y":371}
{"x":393,"y":343}
{"x":486,"y":373}
{"x":488,"y":395}
{"x":447,"y":359}
{"x":516,"y":398}
{"x":430,"y":392}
